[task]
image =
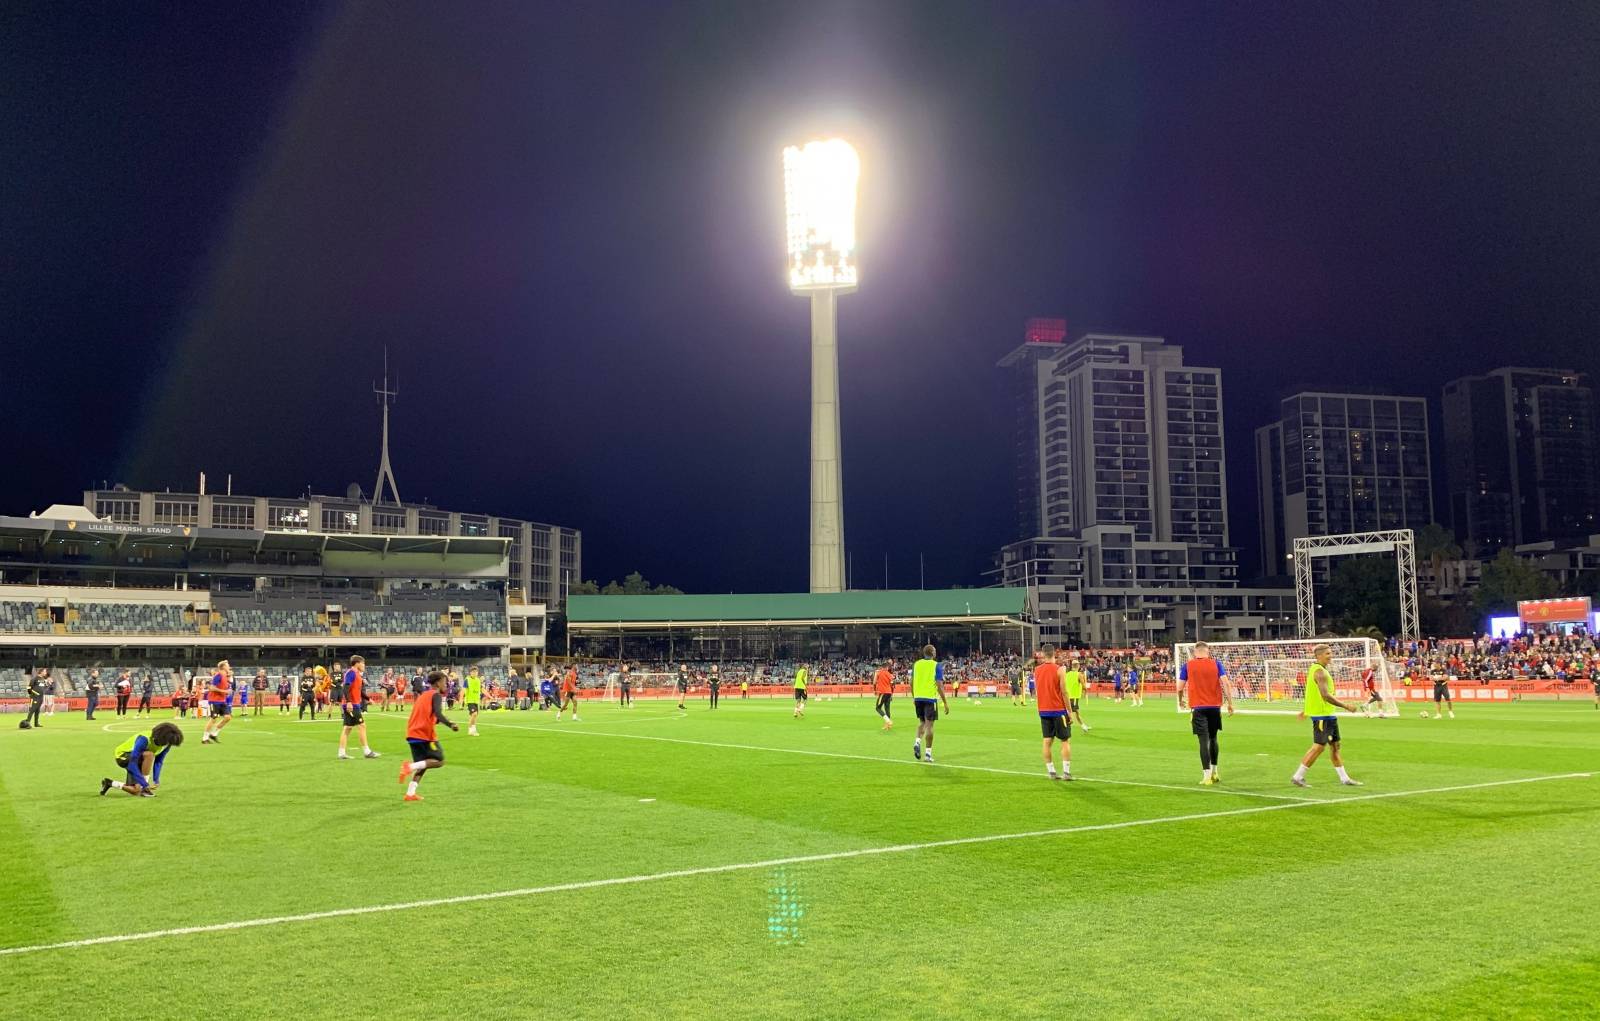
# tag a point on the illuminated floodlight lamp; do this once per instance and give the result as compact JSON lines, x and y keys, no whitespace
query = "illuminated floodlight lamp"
{"x":819,"y":183}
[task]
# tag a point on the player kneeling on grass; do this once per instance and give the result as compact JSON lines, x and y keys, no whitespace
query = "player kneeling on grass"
{"x":422,"y":735}
{"x":1054,"y":718}
{"x":1320,"y":706}
{"x":142,"y":756}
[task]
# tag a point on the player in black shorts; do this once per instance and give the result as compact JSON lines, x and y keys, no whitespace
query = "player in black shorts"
{"x":1441,"y":693}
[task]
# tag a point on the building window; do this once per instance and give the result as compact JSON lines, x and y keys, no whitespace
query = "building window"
{"x":388,"y":522}
{"x":472,"y":524}
{"x":288,"y":517}
{"x":433,"y":524}
{"x":340,"y":519}
{"x":122,"y":510}
{"x":233,"y":515}
{"x":177,"y":512}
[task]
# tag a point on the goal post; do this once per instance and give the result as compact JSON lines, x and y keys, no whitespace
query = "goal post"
{"x":1270,"y":676}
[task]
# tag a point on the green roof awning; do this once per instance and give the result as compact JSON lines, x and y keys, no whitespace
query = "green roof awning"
{"x":802,"y":607}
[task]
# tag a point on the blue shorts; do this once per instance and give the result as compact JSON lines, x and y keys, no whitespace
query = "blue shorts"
{"x":220,"y":709}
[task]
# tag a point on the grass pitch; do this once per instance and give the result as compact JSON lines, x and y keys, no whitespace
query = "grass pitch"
{"x":744,"y":864}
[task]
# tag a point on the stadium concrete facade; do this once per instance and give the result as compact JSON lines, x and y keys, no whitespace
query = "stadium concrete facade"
{"x":542,"y":560}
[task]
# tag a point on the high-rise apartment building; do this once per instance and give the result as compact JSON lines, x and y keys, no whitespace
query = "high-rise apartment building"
{"x":1122,"y":496}
{"x":1521,"y":457}
{"x":1341,"y":462}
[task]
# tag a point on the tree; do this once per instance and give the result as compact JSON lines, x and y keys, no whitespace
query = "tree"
{"x":583,"y":588}
{"x":1506,"y":580}
{"x":1436,"y":544}
{"x":636,"y":585}
{"x":1363,"y":591}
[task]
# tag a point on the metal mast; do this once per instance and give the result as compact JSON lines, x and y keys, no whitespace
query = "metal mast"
{"x":385,"y":396}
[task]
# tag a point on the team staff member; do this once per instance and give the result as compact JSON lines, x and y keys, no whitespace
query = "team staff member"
{"x":1320,"y":706}
{"x":1055,"y":718}
{"x":1201,"y":689}
{"x":30,"y":719}
{"x":714,"y":683}
{"x":801,"y":677}
{"x":927,"y":694}
{"x":124,"y":689}
{"x":883,"y":687}
{"x":94,"y":695}
{"x":308,"y":695}
{"x":422,"y":735}
{"x":141,"y":757}
{"x":147,"y":688}
{"x":354,"y":706}
{"x":683,"y":687}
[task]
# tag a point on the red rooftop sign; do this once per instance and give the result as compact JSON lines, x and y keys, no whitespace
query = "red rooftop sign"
{"x":1045,"y":331}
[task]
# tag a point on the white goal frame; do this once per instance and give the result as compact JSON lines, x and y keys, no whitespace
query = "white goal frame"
{"x":1268,"y":677}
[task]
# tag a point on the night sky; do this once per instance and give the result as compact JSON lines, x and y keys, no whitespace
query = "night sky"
{"x":565,"y":223}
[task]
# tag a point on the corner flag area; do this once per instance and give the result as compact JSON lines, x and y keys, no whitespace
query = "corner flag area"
{"x":744,"y":863}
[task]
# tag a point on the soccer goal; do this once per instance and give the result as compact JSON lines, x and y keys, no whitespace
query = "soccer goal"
{"x":1270,"y":676}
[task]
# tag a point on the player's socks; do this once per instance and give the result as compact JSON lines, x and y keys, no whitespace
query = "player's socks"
{"x":1205,"y":776}
{"x":411,"y":788}
{"x":1050,"y":767}
{"x":1299,"y":778}
{"x":1343,"y":776}
{"x":1066,"y":769}
{"x":1452,"y":714}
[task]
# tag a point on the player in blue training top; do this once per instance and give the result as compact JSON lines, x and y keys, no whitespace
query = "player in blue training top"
{"x":142,"y":756}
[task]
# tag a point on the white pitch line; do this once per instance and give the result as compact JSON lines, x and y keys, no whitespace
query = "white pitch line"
{"x":1214,"y":791}
{"x":710,"y":870}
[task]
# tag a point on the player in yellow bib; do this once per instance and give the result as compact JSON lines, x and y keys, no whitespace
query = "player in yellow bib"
{"x":1320,"y":705}
{"x":801,"y":677}
{"x":1072,"y":681}
{"x":927,"y":685}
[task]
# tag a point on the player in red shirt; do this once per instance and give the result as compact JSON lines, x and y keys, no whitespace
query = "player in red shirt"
{"x":1054,"y":714}
{"x":883,"y":687}
{"x":1369,"y":682}
{"x":219,"y":702}
{"x":422,"y":735}
{"x":569,"y":693}
{"x":354,"y":707}
{"x":1202,"y":691}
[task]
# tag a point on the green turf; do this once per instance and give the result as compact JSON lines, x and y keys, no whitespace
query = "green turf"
{"x":1466,"y":903}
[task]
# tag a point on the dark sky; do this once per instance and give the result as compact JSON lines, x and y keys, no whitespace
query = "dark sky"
{"x":565,"y":222}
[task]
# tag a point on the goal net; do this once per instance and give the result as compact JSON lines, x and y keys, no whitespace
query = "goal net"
{"x":1270,"y":676}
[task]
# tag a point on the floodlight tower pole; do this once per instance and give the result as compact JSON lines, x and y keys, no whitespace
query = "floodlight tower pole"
{"x":827,"y":488}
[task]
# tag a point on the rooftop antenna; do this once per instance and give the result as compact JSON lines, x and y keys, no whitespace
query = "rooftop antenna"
{"x":385,"y":396}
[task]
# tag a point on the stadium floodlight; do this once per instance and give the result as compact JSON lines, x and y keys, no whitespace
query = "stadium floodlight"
{"x":819,"y":183}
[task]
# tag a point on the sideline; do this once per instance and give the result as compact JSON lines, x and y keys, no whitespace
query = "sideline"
{"x":802,"y":859}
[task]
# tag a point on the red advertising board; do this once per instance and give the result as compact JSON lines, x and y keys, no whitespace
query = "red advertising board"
{"x":1554,"y":611}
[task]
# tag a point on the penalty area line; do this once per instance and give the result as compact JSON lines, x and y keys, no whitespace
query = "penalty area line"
{"x":711,"y":870}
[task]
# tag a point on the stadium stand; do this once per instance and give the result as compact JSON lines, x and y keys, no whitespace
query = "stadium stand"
{"x":23,"y":616}
{"x":129,"y":618}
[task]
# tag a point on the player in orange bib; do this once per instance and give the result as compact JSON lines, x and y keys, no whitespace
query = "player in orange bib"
{"x":422,"y":735}
{"x":883,"y":687}
{"x":1055,"y":713}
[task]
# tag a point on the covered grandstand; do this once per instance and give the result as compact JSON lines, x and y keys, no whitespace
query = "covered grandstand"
{"x":78,"y":592}
{"x":787,"y":626}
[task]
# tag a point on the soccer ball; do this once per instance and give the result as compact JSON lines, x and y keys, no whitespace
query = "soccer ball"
{"x":1423,"y":714}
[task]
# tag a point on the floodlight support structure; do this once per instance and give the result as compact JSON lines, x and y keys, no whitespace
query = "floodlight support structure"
{"x":1402,"y":541}
{"x":827,"y":487}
